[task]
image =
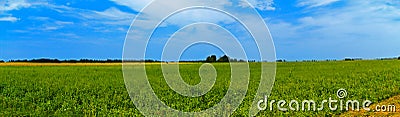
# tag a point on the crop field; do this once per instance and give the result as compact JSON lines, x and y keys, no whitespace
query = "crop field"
{"x":57,"y":90}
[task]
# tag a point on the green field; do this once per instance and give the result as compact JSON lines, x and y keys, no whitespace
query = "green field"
{"x":100,"y":90}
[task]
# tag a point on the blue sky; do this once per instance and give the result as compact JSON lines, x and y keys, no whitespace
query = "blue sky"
{"x":301,"y":29}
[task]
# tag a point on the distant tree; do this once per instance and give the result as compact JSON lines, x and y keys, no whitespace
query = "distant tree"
{"x":348,"y":59}
{"x":251,"y":61}
{"x":208,"y":59}
{"x":211,"y":59}
{"x":151,"y":60}
{"x":223,"y":59}
{"x":44,"y":60}
{"x":1,"y":61}
{"x":398,"y":58}
{"x":19,"y":60}
{"x":71,"y":61}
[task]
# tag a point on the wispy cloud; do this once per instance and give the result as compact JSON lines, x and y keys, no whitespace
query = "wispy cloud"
{"x":9,"y":19}
{"x":110,"y":16}
{"x":311,"y":28}
{"x":63,"y":23}
{"x":8,"y":5}
{"x":265,"y":5}
{"x":136,"y":5}
{"x":315,"y":3}
{"x":76,"y":17}
{"x":39,"y":18}
{"x":48,"y":24}
{"x":370,"y":26}
{"x":113,"y":16}
{"x":69,"y":35}
{"x":193,"y":15}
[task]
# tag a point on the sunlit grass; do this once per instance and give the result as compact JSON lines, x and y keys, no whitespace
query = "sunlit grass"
{"x":94,"y":89}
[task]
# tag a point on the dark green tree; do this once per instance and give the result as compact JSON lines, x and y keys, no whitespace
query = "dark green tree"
{"x":223,"y":59}
{"x":211,"y":58}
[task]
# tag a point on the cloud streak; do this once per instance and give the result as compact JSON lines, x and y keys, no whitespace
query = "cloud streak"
{"x":110,"y":16}
{"x":315,"y":3}
{"x":9,"y":5}
{"x":9,"y":19}
{"x":264,"y":5}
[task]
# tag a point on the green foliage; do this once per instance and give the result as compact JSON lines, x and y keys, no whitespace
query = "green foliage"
{"x":100,"y":90}
{"x":211,"y":59}
{"x":223,"y":59}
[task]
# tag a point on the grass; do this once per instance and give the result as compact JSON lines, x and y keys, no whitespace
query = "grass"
{"x":56,"y":90}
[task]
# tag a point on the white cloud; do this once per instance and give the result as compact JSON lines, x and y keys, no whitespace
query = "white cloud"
{"x":113,"y":16}
{"x":9,"y":19}
{"x":193,"y":15}
{"x":358,"y":28}
{"x":353,"y":17}
{"x":154,"y":15}
{"x":265,"y":5}
{"x":136,"y":5}
{"x":315,"y":3}
{"x":40,"y":18}
{"x":110,"y":16}
{"x":114,"y":13}
{"x":63,"y":23}
{"x":9,"y":5}
{"x":198,"y":15}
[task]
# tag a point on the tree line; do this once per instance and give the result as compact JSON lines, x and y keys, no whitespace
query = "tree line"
{"x":209,"y":59}
{"x":46,"y":60}
{"x":224,"y":58}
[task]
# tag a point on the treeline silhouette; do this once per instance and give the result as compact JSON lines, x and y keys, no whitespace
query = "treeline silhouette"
{"x":224,"y":58}
{"x":345,"y":59}
{"x":46,"y":60}
{"x":209,"y":59}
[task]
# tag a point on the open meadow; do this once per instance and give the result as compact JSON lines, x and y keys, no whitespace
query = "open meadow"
{"x":99,"y":89}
